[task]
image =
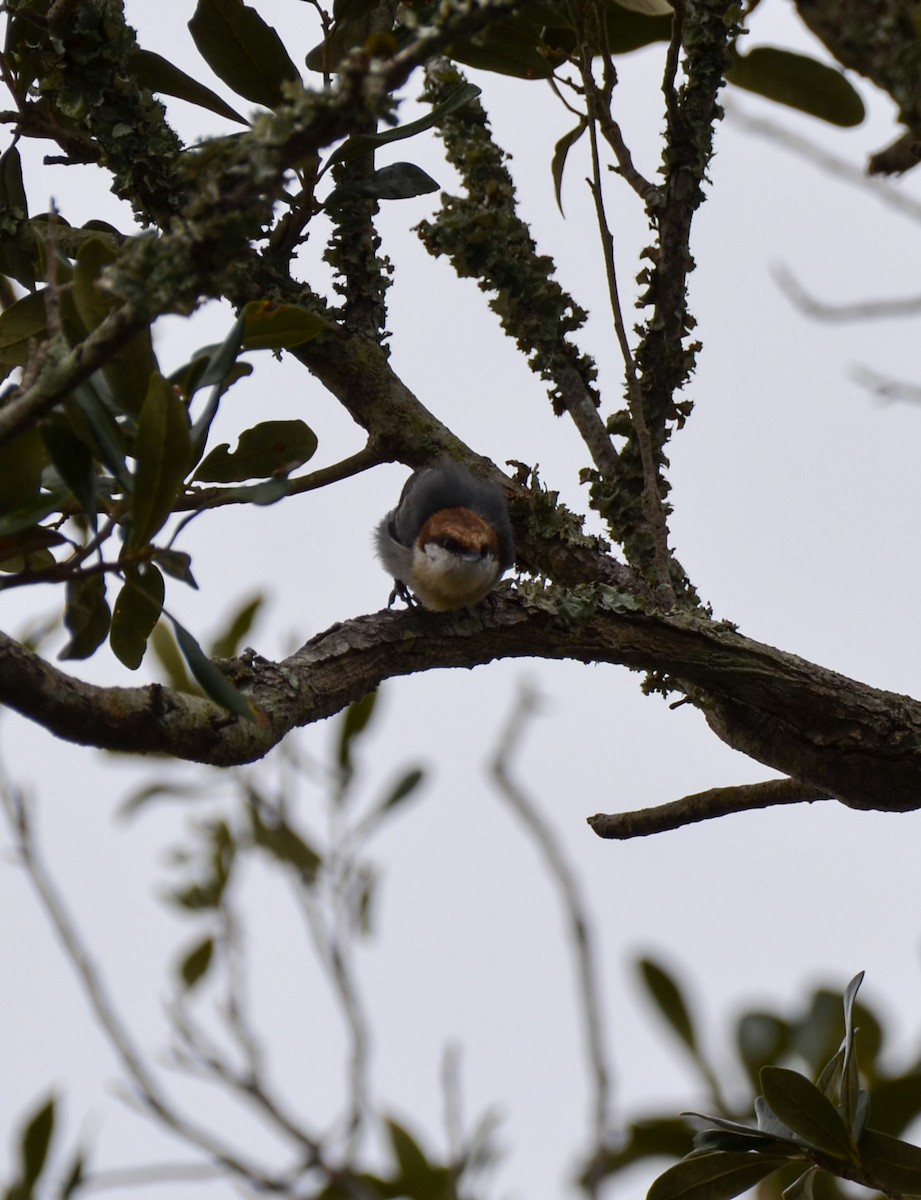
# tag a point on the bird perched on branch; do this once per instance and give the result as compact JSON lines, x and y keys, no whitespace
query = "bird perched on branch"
{"x":448,"y":541}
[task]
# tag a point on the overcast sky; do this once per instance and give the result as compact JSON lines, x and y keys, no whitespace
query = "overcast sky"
{"x":796,"y":502}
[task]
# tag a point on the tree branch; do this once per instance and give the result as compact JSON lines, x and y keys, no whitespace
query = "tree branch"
{"x":856,"y":743}
{"x":702,"y":806}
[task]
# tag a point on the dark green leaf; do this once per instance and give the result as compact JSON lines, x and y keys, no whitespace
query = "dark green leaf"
{"x":896,"y":1102}
{"x":161,"y":75}
{"x":218,"y":372}
{"x":177,"y":564}
{"x":74,"y":463}
{"x":166,"y":649}
{"x":268,"y":449}
{"x":719,"y":1139}
{"x":21,"y":464}
{"x":86,"y":615}
{"x":850,"y":1083}
{"x":561,"y":150}
{"x":890,"y":1164}
{"x":213,"y":682}
{"x":406,"y":1150}
{"x":17,"y":246}
{"x":266,"y":493}
{"x":769,"y":1122}
{"x":807,"y":1111}
{"x":799,"y":82}
{"x":736,"y":1129}
{"x":802,"y":1187}
{"x":346,"y":9}
{"x":162,"y":450}
{"x":817,"y":1035}
{"x":761,"y":1038}
{"x":34,"y":1145}
{"x":128,"y":371}
{"x":195,"y":964}
{"x":363,"y":142}
{"x":657,"y":1137}
{"x":717,"y":1176}
{"x":21,"y":324}
{"x":30,"y":514}
{"x":226,"y":644}
{"x":668,"y":998}
{"x":269,"y":326}
{"x":242,"y":50}
{"x":354,"y":722}
{"x":29,"y":550}
{"x":513,"y":46}
{"x":405,"y":786}
{"x":626,"y":31}
{"x":101,"y":429}
{"x":399,"y":181}
{"x":136,"y":612}
{"x":288,"y":847}
{"x":73,"y":1178}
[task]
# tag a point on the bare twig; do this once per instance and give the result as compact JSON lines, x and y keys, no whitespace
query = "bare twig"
{"x":703,"y":806}
{"x":865,"y":310}
{"x":146,"y":1088}
{"x":574,"y":906}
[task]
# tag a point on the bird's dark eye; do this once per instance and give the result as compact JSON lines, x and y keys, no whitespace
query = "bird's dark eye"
{"x":452,"y":545}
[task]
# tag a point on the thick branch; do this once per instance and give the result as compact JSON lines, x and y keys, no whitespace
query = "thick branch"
{"x":856,"y":743}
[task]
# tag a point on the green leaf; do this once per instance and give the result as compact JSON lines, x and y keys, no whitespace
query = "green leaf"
{"x":363,"y":142}
{"x":761,"y":1038}
{"x":87,"y":409}
{"x":406,"y":1150}
{"x":86,"y":615}
{"x":226,"y":644}
{"x":346,"y":9}
{"x":266,"y":493}
{"x":561,"y":150}
{"x":29,"y":550}
{"x":896,"y":1102}
{"x":177,"y":564}
{"x":162,"y":450}
{"x":799,"y":82}
{"x":717,"y":1176}
{"x":17,"y":247}
{"x":194,"y":965}
{"x":850,"y":1082}
{"x":160,"y":75}
{"x":268,"y":326}
{"x":21,"y":462}
{"x":405,"y":786}
{"x":668,"y":998}
{"x":30,"y":514}
{"x":21,"y":324}
{"x":34,"y":1145}
{"x":218,"y":372}
{"x":73,"y":462}
{"x":399,"y":181}
{"x":802,"y":1187}
{"x":136,"y":612}
{"x":128,"y":371}
{"x":72,"y":1179}
{"x":280,"y":840}
{"x":242,"y":50}
{"x":269,"y":449}
{"x":626,"y":31}
{"x":889,"y":1164}
{"x":168,"y":655}
{"x":806,"y":1110}
{"x":513,"y":46}
{"x":649,"y":8}
{"x":214,"y":683}
{"x":354,"y":722}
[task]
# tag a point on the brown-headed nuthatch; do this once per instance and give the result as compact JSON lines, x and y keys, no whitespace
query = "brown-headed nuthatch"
{"x":448,"y":541}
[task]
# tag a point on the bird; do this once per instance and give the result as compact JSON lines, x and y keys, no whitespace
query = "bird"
{"x":448,"y":541}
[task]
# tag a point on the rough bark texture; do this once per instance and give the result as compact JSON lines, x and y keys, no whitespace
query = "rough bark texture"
{"x":847,"y":740}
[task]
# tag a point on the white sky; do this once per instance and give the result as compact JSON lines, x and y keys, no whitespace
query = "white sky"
{"x":796,"y":497}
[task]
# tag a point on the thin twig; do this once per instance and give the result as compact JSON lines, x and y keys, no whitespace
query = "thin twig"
{"x":703,"y":806}
{"x":147,"y":1089}
{"x":574,"y":906}
{"x":865,"y":310}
